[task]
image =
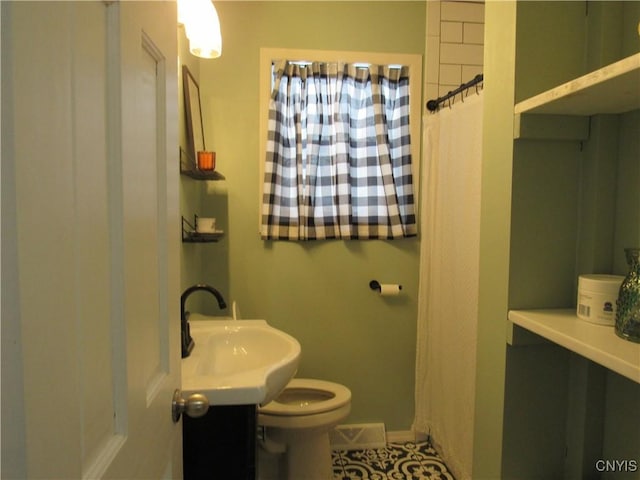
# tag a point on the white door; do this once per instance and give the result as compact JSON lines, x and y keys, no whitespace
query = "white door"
{"x":93,"y":141}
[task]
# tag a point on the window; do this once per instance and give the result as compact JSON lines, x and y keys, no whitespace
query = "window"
{"x":338,"y":160}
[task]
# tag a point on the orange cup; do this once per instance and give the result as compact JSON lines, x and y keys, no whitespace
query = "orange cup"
{"x":206,"y":160}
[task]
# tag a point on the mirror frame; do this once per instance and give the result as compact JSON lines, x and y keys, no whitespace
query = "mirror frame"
{"x":193,"y":113}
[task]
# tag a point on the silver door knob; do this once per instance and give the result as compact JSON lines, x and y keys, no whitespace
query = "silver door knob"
{"x":196,"y":405}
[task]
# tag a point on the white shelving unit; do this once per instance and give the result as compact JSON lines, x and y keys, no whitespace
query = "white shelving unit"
{"x":598,"y":343}
{"x":570,"y":387}
{"x":612,"y":89}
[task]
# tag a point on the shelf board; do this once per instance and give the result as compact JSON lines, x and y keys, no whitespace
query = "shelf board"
{"x":614,"y":88}
{"x":598,"y":343}
{"x":203,"y":174}
{"x":190,"y":235}
{"x":188,"y":167}
{"x":197,"y":237}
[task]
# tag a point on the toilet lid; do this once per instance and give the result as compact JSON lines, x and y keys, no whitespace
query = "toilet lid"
{"x":304,"y":396}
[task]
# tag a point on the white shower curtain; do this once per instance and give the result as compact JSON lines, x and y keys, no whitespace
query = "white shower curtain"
{"x":448,"y":292}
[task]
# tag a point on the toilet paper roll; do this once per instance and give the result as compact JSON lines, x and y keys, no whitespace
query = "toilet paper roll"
{"x":390,"y":289}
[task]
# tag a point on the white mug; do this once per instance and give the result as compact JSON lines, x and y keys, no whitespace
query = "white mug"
{"x":205,"y":225}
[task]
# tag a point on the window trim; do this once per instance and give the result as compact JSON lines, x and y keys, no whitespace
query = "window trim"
{"x":413,"y":61}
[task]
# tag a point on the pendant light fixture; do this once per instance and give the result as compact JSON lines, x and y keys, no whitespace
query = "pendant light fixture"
{"x":202,"y":27}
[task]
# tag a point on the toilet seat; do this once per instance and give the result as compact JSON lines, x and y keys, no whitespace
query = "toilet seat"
{"x":296,"y":426}
{"x":305,"y":396}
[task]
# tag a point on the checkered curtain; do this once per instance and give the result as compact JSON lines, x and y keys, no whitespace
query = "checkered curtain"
{"x":338,"y":160}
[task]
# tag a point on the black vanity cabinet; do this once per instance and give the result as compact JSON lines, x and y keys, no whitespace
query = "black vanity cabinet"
{"x":221,"y":444}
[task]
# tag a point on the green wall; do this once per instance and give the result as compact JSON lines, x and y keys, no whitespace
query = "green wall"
{"x":495,"y":220}
{"x":191,"y":258}
{"x":316,"y":291}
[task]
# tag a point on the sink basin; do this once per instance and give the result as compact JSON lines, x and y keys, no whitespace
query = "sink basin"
{"x":238,"y":362}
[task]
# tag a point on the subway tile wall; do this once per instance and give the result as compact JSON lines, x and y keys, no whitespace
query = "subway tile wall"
{"x":455,"y":44}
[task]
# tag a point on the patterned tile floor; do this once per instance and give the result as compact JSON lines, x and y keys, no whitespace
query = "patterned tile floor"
{"x":397,"y":461}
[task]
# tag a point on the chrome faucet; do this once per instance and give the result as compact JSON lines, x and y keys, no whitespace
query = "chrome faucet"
{"x":185,"y":332}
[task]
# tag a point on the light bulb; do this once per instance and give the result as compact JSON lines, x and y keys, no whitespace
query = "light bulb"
{"x":202,"y":27}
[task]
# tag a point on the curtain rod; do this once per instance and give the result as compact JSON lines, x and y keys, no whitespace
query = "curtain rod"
{"x":306,"y":63}
{"x":432,"y":105}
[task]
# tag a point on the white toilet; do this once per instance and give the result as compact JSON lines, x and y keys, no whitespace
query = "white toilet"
{"x":296,"y":428}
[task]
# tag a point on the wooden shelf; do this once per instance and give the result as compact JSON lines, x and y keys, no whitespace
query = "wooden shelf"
{"x":190,"y":235}
{"x":197,"y":237}
{"x":188,"y":168}
{"x":614,"y":88}
{"x":203,"y":174}
{"x":598,"y":343}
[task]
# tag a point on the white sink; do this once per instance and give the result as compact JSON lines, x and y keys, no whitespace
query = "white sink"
{"x":238,"y":362}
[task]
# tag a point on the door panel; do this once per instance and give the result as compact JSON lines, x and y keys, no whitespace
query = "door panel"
{"x":94,"y":123}
{"x":150,"y":233}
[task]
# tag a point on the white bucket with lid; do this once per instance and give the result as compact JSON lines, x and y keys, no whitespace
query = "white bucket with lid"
{"x":597,"y":295}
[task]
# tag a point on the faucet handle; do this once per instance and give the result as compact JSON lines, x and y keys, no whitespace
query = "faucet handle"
{"x":186,"y":340}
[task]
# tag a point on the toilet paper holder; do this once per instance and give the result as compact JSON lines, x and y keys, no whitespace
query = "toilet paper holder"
{"x":375,"y":285}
